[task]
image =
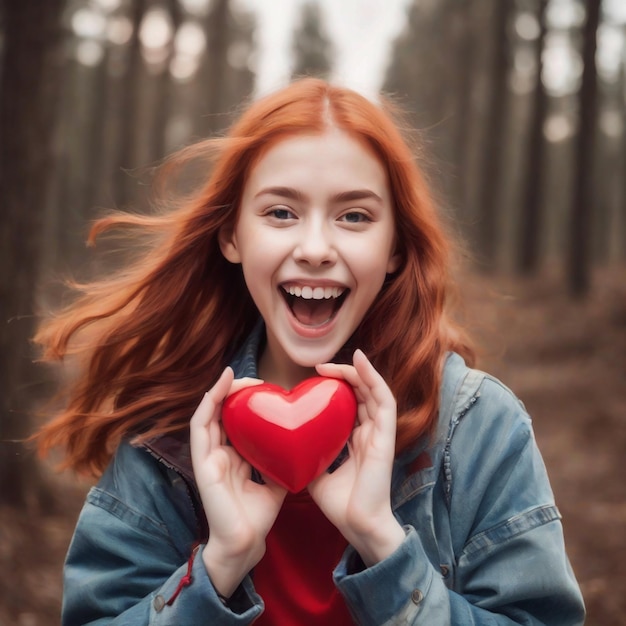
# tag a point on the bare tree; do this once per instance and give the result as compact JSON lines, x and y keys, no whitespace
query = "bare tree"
{"x":465,"y":43}
{"x":582,"y":206}
{"x":486,"y":231}
{"x":311,"y":46}
{"x":163,"y":103}
{"x":622,"y":221}
{"x":30,"y":73}
{"x":531,"y":226}
{"x":213,"y":74}
{"x":129,"y":106}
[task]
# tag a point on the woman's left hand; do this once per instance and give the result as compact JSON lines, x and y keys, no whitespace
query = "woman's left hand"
{"x":356,"y":497}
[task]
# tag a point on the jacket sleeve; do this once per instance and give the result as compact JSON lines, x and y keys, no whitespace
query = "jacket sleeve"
{"x":510,"y":565}
{"x":130,"y":561}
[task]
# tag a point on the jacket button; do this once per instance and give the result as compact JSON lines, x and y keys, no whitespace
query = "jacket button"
{"x":158,"y":603}
{"x":417,"y":596}
{"x":445,"y":570}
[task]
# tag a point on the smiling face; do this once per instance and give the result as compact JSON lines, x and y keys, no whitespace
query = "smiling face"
{"x":315,"y":238}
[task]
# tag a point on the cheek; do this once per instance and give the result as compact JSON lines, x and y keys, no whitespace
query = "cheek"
{"x":258,"y":272}
{"x":372,"y":261}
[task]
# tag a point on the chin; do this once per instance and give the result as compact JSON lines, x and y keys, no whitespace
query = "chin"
{"x":312,"y":358}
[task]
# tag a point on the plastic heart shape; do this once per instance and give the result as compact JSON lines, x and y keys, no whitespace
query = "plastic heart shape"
{"x":291,"y":436}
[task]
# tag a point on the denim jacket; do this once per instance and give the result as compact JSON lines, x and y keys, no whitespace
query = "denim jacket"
{"x":483,"y":537}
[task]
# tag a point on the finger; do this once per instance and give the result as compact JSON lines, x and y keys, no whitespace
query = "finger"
{"x":373,"y":380}
{"x":381,"y":403}
{"x":343,"y":372}
{"x":241,"y":383}
{"x":205,"y":432}
{"x":218,"y":392}
{"x":203,"y":412}
{"x":215,"y":432}
{"x":213,"y":398}
{"x":336,"y":370}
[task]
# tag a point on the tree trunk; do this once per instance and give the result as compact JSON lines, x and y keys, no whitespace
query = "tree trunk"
{"x":530,"y":228}
{"x":311,"y":47}
{"x":580,"y":238}
{"x":129,"y":108}
{"x":213,"y":74}
{"x":163,"y":105}
{"x":30,"y":76}
{"x":98,"y":105}
{"x":621,"y":243}
{"x":463,"y":89}
{"x":486,"y":235}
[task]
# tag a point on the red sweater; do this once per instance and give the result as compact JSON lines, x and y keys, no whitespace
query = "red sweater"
{"x":294,"y":578}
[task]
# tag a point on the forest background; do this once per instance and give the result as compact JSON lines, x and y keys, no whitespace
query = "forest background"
{"x":519,"y":108}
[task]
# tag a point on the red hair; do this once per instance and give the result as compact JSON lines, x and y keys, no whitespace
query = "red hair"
{"x":149,"y":340}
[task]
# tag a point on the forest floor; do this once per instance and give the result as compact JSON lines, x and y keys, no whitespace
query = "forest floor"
{"x":565,"y":359}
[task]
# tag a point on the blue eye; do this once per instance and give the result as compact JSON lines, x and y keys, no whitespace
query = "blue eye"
{"x":281,"y":214}
{"x":355,"y":217}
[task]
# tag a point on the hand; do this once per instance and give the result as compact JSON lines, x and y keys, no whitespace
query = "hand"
{"x":356,"y":497}
{"x":239,"y":511}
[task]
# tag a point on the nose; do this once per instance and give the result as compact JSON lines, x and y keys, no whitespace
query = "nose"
{"x":315,"y":246}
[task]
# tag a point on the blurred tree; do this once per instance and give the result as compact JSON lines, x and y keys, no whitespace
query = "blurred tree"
{"x":416,"y":74}
{"x":312,"y":49}
{"x":164,"y":97}
{"x":579,"y":256}
{"x":464,"y":47}
{"x":123,"y":193}
{"x":224,"y":78}
{"x":97,"y":92}
{"x":78,"y":154}
{"x":438,"y":71}
{"x":529,"y":243}
{"x":486,"y":232}
{"x":621,"y":245}
{"x":420,"y":77}
{"x":212,"y":76}
{"x":30,"y":74}
{"x":238,"y":77}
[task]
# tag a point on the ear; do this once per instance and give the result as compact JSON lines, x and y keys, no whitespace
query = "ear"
{"x":228,"y":245}
{"x":394,"y":263}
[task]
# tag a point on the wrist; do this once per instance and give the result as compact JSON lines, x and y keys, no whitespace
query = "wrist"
{"x":227,"y":570}
{"x":380,"y":543}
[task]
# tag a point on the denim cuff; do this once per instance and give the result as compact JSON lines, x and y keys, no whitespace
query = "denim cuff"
{"x":188,"y":597}
{"x":392,"y":589}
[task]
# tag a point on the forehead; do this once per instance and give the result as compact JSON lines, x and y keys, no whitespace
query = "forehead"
{"x":332,"y":157}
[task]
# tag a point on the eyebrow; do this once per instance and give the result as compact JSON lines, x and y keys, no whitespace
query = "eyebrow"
{"x":356,"y":194}
{"x":283,"y":192}
{"x":343,"y":196}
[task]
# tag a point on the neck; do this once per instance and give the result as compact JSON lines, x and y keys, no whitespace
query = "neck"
{"x":286,"y":375}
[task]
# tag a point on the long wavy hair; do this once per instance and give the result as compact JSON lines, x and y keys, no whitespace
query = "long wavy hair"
{"x":147,"y":341}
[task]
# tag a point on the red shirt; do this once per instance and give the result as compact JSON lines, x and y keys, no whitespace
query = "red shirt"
{"x":294,"y":578}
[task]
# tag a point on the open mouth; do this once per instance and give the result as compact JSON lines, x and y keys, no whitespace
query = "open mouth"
{"x":313,"y":306}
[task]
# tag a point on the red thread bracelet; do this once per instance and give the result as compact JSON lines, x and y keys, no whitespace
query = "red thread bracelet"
{"x":186,"y":580}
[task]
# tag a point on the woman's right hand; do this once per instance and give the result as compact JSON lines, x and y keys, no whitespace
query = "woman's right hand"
{"x":239,"y":511}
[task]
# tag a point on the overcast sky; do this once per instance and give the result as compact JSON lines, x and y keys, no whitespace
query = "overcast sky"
{"x":361,"y":31}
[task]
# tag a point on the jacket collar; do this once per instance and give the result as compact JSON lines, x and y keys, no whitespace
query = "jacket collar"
{"x":173,"y":450}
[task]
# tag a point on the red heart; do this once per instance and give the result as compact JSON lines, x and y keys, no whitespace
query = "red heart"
{"x":291,"y":436}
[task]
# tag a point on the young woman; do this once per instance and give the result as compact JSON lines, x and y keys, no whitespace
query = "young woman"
{"x":312,"y":248}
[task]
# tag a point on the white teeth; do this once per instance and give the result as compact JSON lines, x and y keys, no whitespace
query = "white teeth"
{"x":314,"y":293}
